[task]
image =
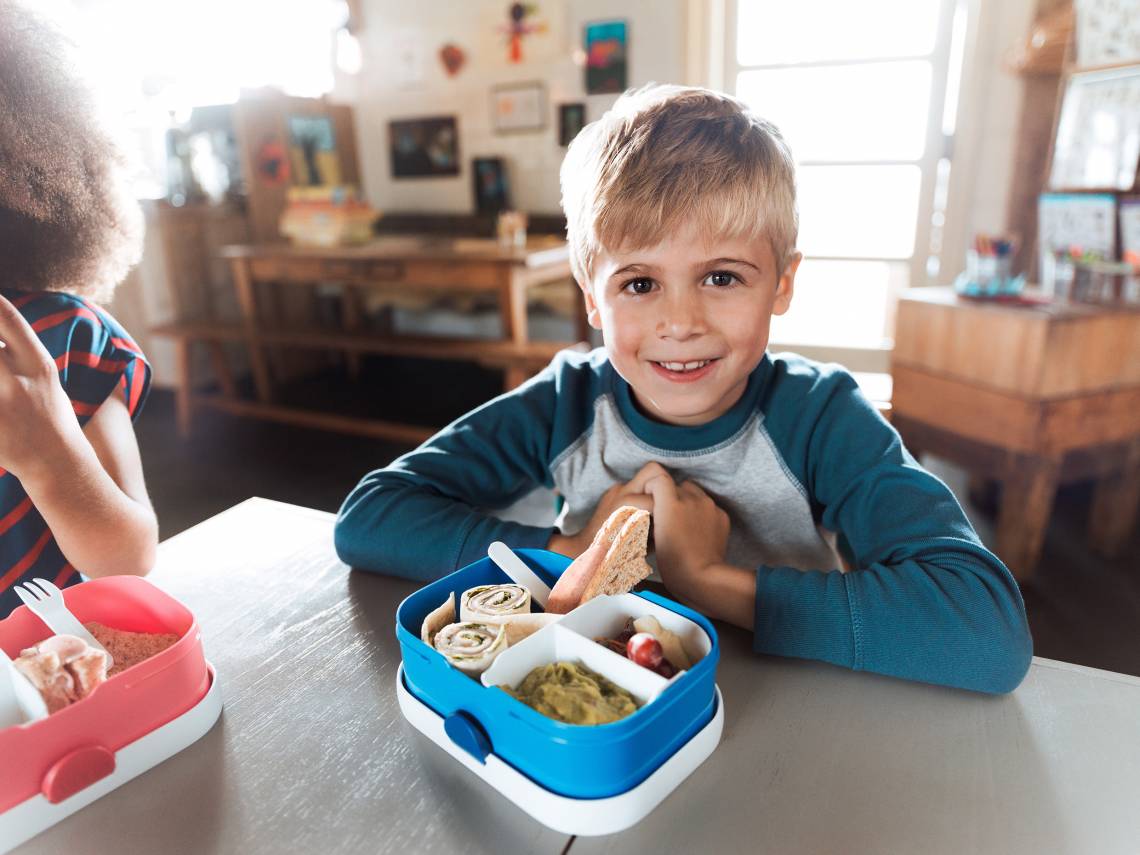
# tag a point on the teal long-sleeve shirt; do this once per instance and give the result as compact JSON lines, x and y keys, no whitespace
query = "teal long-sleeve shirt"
{"x":803,"y":465}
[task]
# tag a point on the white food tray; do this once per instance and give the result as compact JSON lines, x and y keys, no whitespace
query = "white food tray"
{"x":29,"y":818}
{"x":585,"y":817}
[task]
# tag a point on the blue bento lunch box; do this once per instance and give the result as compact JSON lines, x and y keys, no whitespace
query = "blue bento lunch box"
{"x":576,"y":761}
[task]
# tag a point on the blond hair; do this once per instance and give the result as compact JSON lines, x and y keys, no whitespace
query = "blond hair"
{"x":664,"y":156}
{"x":68,"y":219}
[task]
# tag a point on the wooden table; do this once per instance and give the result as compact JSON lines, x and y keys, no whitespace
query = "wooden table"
{"x":312,"y":754}
{"x":1030,"y":395}
{"x":394,"y":267}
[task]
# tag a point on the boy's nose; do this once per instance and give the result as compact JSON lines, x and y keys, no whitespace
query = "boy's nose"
{"x":682,"y":316}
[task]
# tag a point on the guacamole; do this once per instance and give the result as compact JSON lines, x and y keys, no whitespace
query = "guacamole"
{"x":570,"y":692}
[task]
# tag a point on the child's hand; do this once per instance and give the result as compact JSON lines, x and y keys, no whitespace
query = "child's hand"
{"x":631,"y":493}
{"x":35,"y":413}
{"x":690,"y":533}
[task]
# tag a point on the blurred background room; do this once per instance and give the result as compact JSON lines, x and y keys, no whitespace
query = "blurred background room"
{"x":354,"y":236}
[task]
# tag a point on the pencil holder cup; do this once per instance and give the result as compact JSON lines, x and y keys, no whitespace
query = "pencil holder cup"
{"x":1057,"y":275}
{"x":988,"y":276}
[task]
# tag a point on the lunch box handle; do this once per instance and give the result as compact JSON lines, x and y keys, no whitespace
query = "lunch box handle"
{"x":468,"y":734}
{"x":76,"y":771}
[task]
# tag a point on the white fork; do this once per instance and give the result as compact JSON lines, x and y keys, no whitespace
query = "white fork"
{"x":46,"y":602}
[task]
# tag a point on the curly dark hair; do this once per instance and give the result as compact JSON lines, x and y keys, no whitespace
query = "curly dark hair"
{"x":68,"y":220}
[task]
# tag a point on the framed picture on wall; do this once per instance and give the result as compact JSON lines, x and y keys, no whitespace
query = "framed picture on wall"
{"x":518,"y":107}
{"x":607,"y":47}
{"x":312,"y":150}
{"x":492,"y":192}
{"x":1098,"y":134}
{"x":571,"y":119}
{"x":424,"y":148}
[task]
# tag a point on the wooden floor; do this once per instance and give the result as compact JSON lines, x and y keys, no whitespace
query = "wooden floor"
{"x":1082,"y":608}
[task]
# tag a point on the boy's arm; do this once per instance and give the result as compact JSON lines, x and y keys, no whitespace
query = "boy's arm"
{"x":420,"y":517}
{"x":926,"y":600}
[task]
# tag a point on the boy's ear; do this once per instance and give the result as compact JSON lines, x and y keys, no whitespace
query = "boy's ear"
{"x":786,"y":286}
{"x":593,"y":316}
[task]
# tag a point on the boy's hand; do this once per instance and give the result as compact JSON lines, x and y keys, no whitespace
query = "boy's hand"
{"x":631,"y":493}
{"x":690,"y":534}
{"x":35,"y":413}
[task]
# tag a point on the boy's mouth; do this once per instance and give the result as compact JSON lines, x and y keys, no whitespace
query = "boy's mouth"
{"x":684,"y":372}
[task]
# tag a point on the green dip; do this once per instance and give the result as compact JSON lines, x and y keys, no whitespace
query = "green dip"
{"x":572,"y":693}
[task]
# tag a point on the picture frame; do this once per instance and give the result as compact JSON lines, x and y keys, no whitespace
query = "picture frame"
{"x":518,"y":107}
{"x":424,"y":147}
{"x":312,"y":151}
{"x":607,"y":50}
{"x":492,"y":189}
{"x":571,"y":120}
{"x":1108,"y":32}
{"x":1086,"y":220}
{"x":1109,"y":100}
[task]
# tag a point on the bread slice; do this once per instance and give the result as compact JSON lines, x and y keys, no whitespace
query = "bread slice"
{"x":624,"y":565}
{"x":613,"y":563}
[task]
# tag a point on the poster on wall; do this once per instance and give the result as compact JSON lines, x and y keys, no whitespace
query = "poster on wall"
{"x":1077,"y":220}
{"x":424,"y":148}
{"x":1108,"y":31}
{"x":571,"y":119}
{"x":1098,"y":134}
{"x":1130,"y":231}
{"x":518,"y":107}
{"x":492,"y":193}
{"x":606,"y":51}
{"x":312,"y":150}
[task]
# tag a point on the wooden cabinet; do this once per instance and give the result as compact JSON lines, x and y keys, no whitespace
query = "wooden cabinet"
{"x":1032,"y":395}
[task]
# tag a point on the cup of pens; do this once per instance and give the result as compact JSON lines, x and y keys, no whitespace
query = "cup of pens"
{"x":989,"y":268}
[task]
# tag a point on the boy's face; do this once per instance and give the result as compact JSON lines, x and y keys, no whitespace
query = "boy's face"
{"x":685,"y":322}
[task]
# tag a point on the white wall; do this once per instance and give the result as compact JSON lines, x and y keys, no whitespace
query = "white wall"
{"x":402,"y":40}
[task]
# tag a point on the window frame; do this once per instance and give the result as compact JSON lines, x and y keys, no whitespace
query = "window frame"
{"x":723,"y":63}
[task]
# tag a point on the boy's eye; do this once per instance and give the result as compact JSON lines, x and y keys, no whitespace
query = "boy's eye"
{"x":721,"y":278}
{"x":639,"y":286}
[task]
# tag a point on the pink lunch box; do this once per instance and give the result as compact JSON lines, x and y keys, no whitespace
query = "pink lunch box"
{"x":52,"y":767}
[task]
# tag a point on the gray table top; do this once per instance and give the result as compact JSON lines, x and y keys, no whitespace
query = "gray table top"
{"x":312,"y":753}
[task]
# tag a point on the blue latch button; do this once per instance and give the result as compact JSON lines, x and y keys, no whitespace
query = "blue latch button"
{"x":468,"y":734}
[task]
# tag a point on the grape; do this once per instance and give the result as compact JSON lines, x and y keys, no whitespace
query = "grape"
{"x":645,"y":650}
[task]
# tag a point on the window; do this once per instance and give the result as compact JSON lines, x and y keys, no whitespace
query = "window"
{"x":866,"y":95}
{"x":152,"y":62}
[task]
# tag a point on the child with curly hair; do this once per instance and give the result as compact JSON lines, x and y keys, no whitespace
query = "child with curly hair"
{"x":72,"y":497}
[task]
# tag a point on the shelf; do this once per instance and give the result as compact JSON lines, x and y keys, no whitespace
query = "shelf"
{"x":491,"y":352}
{"x":360,"y":426}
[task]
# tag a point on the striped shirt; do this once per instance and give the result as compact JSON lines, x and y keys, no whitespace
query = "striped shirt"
{"x":95,"y":357}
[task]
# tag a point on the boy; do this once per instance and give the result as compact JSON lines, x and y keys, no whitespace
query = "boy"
{"x":760,"y":471}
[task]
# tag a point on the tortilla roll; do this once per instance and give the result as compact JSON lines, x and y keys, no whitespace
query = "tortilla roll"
{"x":471,"y":647}
{"x":493,"y":603}
{"x":519,"y":627}
{"x":437,"y":620}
